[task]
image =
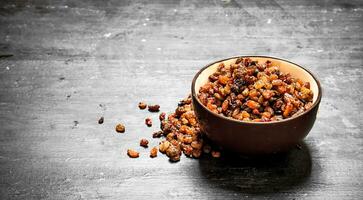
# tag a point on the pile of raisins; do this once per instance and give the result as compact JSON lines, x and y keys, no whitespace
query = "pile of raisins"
{"x":257,"y":92}
{"x":180,"y":131}
{"x":183,"y":135}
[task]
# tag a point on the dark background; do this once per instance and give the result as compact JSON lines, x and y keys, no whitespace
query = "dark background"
{"x":61,"y":59}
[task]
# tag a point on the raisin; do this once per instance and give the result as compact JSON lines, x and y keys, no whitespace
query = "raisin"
{"x":216,"y":154}
{"x":157,"y":134}
{"x":306,"y":85}
{"x":213,"y":77}
{"x":197,"y":153}
{"x":247,"y":62}
{"x":277,"y":105}
{"x":288,"y":109}
{"x":173,"y":153}
{"x":281,"y":89}
{"x":100,"y":121}
{"x":261,"y":67}
{"x":223,"y":80}
{"x":162,"y":116}
{"x":163,"y":146}
{"x":196,"y":145}
{"x":144,"y":143}
{"x":148,"y":122}
{"x":187,"y":139}
{"x":153,"y":108}
{"x":239,"y":60}
{"x":268,"y":63}
{"x":154,"y":152}
{"x":120,"y":128}
{"x":132,"y":153}
{"x":256,"y":111}
{"x":142,"y":105}
{"x":266,"y":115}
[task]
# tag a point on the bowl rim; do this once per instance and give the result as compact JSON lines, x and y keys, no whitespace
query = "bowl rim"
{"x":316,"y":103}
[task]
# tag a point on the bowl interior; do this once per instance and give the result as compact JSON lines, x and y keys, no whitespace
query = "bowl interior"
{"x":285,"y":67}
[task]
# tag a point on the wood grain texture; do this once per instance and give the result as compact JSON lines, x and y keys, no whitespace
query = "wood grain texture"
{"x":62,"y":59}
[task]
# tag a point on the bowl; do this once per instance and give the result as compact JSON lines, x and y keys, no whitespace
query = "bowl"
{"x":256,"y":137}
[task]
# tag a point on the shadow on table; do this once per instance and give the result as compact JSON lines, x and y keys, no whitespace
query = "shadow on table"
{"x":258,"y":175}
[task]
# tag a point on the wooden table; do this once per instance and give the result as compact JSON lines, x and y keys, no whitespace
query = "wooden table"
{"x":64,"y":64}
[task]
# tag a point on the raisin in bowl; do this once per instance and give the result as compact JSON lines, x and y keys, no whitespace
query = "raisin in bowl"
{"x":255,"y":104}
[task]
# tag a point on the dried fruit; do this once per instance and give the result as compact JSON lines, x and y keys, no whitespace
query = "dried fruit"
{"x":162,"y":116}
{"x":216,"y":154}
{"x":223,"y":79}
{"x":163,"y":146}
{"x":154,"y":152}
{"x":187,"y":150}
{"x":187,"y":139}
{"x":288,"y":109}
{"x":252,"y":104}
{"x":157,"y":134}
{"x":132,"y":153}
{"x":250,"y":91}
{"x":182,"y":132}
{"x":173,"y":153}
{"x":148,"y":122}
{"x":197,"y":153}
{"x":144,"y":143}
{"x":225,"y":105}
{"x":142,"y":105}
{"x":120,"y":128}
{"x":153,"y":108}
{"x":100,"y":121}
{"x":196,"y":144}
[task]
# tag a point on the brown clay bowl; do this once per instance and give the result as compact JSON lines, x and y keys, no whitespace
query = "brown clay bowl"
{"x":256,"y":137}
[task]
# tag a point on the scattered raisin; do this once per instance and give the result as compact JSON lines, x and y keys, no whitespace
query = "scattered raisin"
{"x":173,"y":153}
{"x":148,"y":122}
{"x":142,"y":105}
{"x":197,"y":144}
{"x":132,"y":153}
{"x":157,"y":134}
{"x":216,"y":154}
{"x":154,"y":152}
{"x":162,"y":116}
{"x":144,"y":143}
{"x":197,"y":153}
{"x":100,"y":121}
{"x":182,"y":132}
{"x":223,"y":79}
{"x":120,"y":128}
{"x":187,"y":150}
{"x":239,"y":60}
{"x":163,"y":146}
{"x":153,"y":108}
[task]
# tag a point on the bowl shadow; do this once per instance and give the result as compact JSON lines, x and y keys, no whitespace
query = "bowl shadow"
{"x":258,"y":175}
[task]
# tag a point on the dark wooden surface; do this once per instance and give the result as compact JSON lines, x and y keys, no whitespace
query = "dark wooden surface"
{"x":61,"y":59}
